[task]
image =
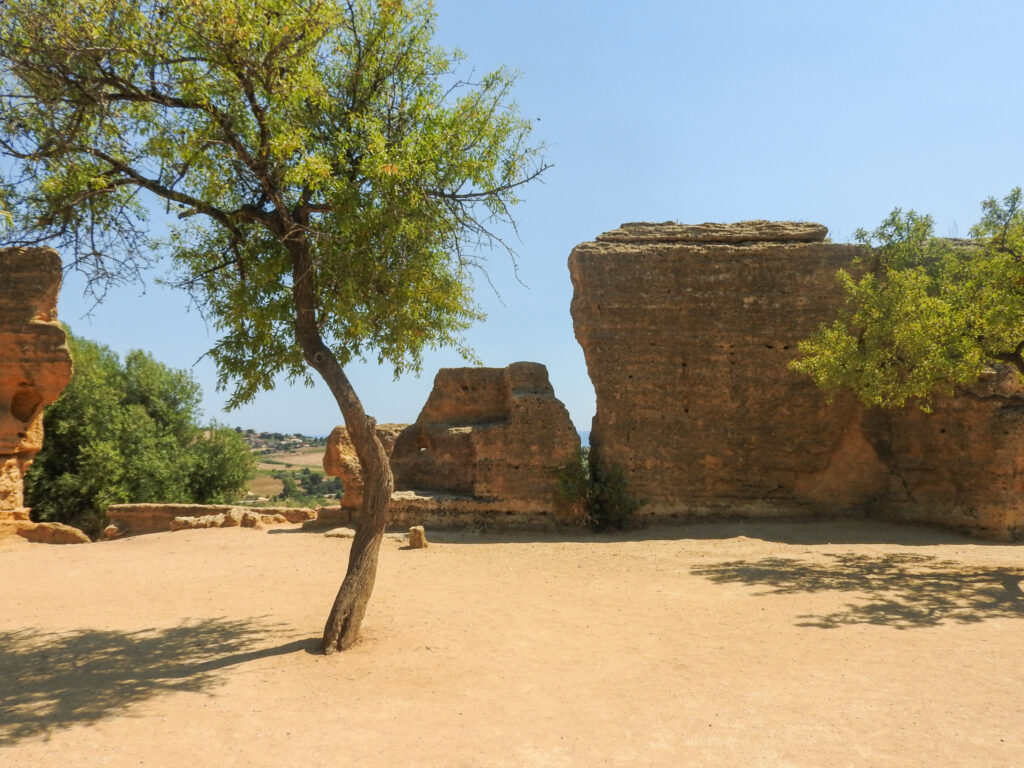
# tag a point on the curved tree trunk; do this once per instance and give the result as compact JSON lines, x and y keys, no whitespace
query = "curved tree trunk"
{"x":342,"y":628}
{"x":346,"y":616}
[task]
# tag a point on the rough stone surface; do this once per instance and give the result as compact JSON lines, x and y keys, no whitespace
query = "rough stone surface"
{"x":739,"y":232}
{"x":417,"y":537}
{"x":154,"y":518}
{"x":43,"y":533}
{"x":687,"y":333}
{"x":492,"y":437}
{"x":483,"y":452}
{"x":35,"y":364}
{"x":446,"y":511}
{"x":330,"y":517}
{"x":340,"y":460}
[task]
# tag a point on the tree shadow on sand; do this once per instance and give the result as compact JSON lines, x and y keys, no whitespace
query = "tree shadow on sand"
{"x":49,"y":681}
{"x":904,"y":591}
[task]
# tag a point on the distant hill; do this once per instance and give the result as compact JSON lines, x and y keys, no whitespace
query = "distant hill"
{"x":277,"y":442}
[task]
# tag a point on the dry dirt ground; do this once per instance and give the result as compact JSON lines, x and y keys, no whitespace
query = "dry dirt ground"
{"x":737,"y":644}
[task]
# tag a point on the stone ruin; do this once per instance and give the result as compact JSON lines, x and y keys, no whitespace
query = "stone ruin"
{"x":131,"y":519}
{"x":484,"y":451}
{"x":35,"y":366}
{"x":340,"y":461}
{"x":687,"y":333}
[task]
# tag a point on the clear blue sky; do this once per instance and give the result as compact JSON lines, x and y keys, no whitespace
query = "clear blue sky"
{"x":654,"y":111}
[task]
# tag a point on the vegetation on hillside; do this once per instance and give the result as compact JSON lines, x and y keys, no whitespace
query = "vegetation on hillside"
{"x":129,"y":432}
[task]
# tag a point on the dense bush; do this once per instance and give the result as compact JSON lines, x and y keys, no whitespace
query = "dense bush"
{"x":128,"y":433}
{"x":601,"y":488}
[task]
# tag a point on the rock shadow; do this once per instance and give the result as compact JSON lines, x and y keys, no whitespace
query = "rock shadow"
{"x":50,"y":680}
{"x":904,"y":591}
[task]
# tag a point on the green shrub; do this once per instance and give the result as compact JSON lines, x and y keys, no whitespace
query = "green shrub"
{"x":129,"y":432}
{"x":602,"y":489}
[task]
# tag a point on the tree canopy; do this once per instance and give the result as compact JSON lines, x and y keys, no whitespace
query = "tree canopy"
{"x":129,"y":432}
{"x":257,"y":122}
{"x":925,"y":315}
{"x":327,"y":182}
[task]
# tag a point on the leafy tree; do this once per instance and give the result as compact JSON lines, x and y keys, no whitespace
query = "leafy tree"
{"x":332,"y":182}
{"x":924,"y":315}
{"x":127,"y":433}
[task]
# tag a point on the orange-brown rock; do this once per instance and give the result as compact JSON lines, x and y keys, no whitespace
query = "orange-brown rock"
{"x":35,"y":364}
{"x":417,"y":537}
{"x":487,"y":438}
{"x":154,"y":518}
{"x":340,"y":460}
{"x":43,"y":533}
{"x":687,"y":332}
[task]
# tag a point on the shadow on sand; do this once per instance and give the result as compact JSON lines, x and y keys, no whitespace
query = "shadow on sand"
{"x":795,"y":530}
{"x":49,"y":681}
{"x":904,"y":591}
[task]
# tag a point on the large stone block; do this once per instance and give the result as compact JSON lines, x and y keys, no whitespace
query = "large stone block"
{"x":687,"y":333}
{"x":484,"y":451}
{"x":35,"y":364}
{"x":491,"y":435}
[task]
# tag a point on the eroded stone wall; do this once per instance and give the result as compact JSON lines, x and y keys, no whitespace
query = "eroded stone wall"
{"x":687,"y":333}
{"x":35,"y":364}
{"x":491,"y":435}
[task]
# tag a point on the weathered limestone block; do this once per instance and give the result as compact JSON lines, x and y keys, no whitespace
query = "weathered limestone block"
{"x":961,"y":465}
{"x":491,"y":435}
{"x":154,"y":518}
{"x":340,"y":460}
{"x":35,"y":364}
{"x":687,"y":333}
{"x":330,"y":517}
{"x":417,"y":537}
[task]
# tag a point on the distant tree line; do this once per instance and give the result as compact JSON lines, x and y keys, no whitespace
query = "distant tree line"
{"x":307,"y":485}
{"x":129,"y":433}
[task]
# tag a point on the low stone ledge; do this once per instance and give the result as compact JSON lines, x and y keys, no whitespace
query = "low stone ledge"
{"x":155,"y":518}
{"x":759,"y":231}
{"x":446,"y":511}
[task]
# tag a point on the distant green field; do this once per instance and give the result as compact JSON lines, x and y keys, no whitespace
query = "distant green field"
{"x":293,"y":463}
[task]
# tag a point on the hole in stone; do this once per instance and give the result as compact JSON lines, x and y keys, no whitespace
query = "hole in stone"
{"x":25,"y":403}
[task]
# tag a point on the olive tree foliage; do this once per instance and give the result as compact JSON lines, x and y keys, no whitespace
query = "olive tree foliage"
{"x":925,"y":315}
{"x":326,"y":179}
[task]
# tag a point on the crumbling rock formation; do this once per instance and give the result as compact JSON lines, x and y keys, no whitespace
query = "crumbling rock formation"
{"x":340,"y":460}
{"x":485,"y":450}
{"x":35,"y":366}
{"x":687,"y":333}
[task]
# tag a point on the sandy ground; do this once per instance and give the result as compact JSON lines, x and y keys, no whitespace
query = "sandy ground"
{"x":728,"y":645}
